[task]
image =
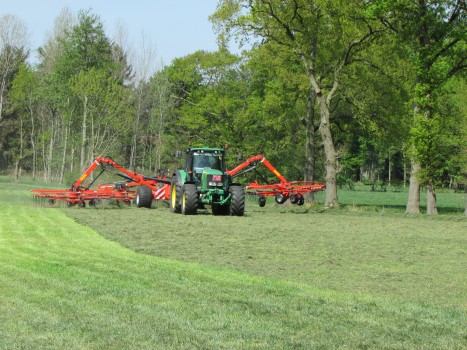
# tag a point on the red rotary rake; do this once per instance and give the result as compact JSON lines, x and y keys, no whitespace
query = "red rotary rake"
{"x":149,"y":187}
{"x":158,"y":188}
{"x":283,"y":190}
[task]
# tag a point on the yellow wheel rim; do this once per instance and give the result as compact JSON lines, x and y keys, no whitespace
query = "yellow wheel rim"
{"x":174,"y":196}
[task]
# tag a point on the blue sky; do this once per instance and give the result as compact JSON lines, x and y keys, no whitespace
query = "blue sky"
{"x":177,"y":27}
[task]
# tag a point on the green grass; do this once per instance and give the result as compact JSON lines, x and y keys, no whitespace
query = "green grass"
{"x":278,"y":278}
{"x":400,"y":257}
{"x":394,"y":200}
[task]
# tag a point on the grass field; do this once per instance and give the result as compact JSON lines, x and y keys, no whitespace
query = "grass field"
{"x":282,"y":277}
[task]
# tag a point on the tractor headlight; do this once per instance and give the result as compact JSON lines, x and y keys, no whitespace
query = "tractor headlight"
{"x":215,"y":184}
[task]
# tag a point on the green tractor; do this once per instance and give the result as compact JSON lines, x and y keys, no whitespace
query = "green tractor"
{"x":205,"y":181}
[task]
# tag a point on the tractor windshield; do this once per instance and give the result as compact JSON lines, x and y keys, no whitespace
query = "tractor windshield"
{"x":206,"y":160}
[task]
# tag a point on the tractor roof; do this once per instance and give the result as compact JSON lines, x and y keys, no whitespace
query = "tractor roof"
{"x":206,"y":149}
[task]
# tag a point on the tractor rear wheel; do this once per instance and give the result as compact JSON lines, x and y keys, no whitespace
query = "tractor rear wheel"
{"x":143,"y":197}
{"x":189,"y":203}
{"x":175,"y":196}
{"x":237,"y":204}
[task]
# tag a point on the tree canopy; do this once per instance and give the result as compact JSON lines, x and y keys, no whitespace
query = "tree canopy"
{"x":328,"y":90}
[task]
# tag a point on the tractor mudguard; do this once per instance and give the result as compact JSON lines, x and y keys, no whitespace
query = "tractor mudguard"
{"x":181,"y":176}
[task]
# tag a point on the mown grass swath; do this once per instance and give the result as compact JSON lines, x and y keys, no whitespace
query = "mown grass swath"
{"x":67,"y":285}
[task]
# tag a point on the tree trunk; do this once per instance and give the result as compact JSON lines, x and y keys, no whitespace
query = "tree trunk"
{"x":44,"y":160}
{"x":62,"y":168}
{"x":134,"y":145}
{"x":309,"y":172}
{"x":405,"y":170}
{"x":1,"y":107}
{"x":325,"y":131}
{"x":330,"y":154}
{"x":83,"y":135}
{"x":431,"y":201}
{"x":413,"y":201}
{"x":389,"y":169}
{"x":33,"y":144}
{"x":72,"y":161}
{"x":20,"y":156}
{"x":50,"y":154}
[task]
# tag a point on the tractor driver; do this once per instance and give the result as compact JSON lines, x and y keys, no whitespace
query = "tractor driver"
{"x":207,"y":161}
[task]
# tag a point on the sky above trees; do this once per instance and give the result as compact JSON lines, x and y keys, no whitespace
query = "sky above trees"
{"x":176,"y":27}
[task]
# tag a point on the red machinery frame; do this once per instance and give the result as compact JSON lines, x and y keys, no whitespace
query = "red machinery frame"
{"x":283,"y":190}
{"x":160,"y":186}
{"x":120,"y":191}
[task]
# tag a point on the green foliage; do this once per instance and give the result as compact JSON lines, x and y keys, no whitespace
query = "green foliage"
{"x":435,"y":33}
{"x":86,"y":46}
{"x":24,"y":89}
{"x":252,"y":103}
{"x":108,"y":104}
{"x":428,"y":147}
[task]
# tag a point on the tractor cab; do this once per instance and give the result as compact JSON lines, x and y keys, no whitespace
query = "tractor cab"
{"x":201,"y":162}
{"x":210,"y":160}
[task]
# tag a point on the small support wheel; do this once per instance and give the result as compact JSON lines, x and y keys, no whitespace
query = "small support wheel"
{"x":262,"y":201}
{"x":280,"y":198}
{"x":301,"y":200}
{"x":294,"y":199}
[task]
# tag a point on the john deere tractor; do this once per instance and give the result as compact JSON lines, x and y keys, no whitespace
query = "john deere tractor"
{"x":205,"y":181}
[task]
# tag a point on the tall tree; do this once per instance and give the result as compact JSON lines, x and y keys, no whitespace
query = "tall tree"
{"x":435,"y":33}
{"x":106,"y":108}
{"x":13,"y":51}
{"x":24,"y":101}
{"x":84,"y":47}
{"x":326,"y":36}
{"x":55,"y":115}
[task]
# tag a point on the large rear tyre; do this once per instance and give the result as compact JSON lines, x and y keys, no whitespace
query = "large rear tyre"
{"x":237,"y":205}
{"x":143,"y":197}
{"x":175,"y":196}
{"x":189,"y":203}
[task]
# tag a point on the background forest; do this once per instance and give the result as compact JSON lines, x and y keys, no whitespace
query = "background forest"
{"x":371,"y":91}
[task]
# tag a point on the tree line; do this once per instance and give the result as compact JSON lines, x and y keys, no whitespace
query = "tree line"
{"x":328,"y":90}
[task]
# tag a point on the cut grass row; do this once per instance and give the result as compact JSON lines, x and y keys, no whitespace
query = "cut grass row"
{"x":416,"y":258}
{"x":63,"y":285}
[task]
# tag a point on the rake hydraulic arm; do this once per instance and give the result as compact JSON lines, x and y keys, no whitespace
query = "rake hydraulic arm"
{"x":281,"y":190}
{"x":120,"y":191}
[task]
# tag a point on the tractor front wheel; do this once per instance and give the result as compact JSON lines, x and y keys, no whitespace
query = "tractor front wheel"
{"x":143,"y":197}
{"x":237,"y":204}
{"x":189,"y":203}
{"x":175,"y":196}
